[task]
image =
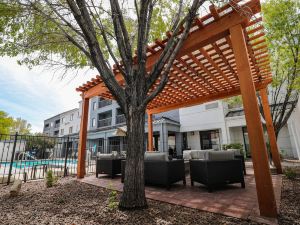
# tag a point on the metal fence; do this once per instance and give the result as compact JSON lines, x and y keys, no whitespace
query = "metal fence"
{"x":28,"y":157}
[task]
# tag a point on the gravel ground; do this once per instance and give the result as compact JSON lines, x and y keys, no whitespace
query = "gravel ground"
{"x":72,"y":202}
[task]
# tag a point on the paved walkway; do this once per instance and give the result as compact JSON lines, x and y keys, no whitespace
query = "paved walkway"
{"x":231,"y":200}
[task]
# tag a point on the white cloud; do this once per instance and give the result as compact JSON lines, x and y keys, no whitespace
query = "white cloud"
{"x":37,"y":94}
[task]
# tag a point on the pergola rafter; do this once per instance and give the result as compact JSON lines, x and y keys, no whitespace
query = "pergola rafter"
{"x":225,"y":54}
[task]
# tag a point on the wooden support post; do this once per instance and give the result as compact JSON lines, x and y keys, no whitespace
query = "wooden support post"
{"x":263,"y":180}
{"x":150,"y":132}
{"x":82,"y":138}
{"x":270,"y":130}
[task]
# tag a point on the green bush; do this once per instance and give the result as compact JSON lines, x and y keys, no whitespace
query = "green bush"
{"x":290,"y":173}
{"x":112,"y":200}
{"x":51,"y":179}
{"x":234,"y":146}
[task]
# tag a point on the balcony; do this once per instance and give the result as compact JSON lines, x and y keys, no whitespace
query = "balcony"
{"x":104,"y":103}
{"x":120,"y":119}
{"x":104,"y":122}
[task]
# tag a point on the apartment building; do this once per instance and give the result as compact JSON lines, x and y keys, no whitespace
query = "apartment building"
{"x":66,"y":123}
{"x":209,"y":126}
{"x":205,"y":126}
{"x":105,"y":117}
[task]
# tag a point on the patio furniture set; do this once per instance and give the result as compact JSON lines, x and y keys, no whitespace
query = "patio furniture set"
{"x":208,"y":167}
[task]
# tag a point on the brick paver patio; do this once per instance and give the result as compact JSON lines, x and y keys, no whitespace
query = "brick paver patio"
{"x":231,"y":200}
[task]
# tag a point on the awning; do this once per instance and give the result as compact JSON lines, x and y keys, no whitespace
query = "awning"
{"x":120,"y":131}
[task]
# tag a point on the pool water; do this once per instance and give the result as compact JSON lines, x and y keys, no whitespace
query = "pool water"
{"x":31,"y":163}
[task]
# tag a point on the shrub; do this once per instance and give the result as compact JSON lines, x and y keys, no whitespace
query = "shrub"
{"x":112,"y":200}
{"x":234,"y":146}
{"x":290,"y":173}
{"x":51,"y":179}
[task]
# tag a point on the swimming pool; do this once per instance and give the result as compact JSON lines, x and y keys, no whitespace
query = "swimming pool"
{"x":31,"y":163}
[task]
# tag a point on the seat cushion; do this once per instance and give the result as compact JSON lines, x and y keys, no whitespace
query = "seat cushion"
{"x":199,"y":154}
{"x":186,"y":154}
{"x":237,"y":152}
{"x":220,"y":155}
{"x":105,"y":156}
{"x":156,"y":156}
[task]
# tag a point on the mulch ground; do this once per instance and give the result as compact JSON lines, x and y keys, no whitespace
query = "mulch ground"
{"x":290,"y":201}
{"x":73,"y":202}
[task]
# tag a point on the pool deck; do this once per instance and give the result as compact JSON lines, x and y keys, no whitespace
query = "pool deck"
{"x":230,"y":201}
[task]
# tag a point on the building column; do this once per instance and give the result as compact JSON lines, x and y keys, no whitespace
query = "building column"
{"x":263,"y":180}
{"x":178,"y":143}
{"x":163,"y":137}
{"x":82,"y":138}
{"x":270,"y":130}
{"x":150,"y":132}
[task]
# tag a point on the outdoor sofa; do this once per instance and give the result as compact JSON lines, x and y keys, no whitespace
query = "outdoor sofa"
{"x":217,"y":168}
{"x":160,"y":170}
{"x":108,"y":164}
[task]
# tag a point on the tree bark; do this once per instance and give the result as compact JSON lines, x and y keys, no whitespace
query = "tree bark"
{"x":133,"y":196}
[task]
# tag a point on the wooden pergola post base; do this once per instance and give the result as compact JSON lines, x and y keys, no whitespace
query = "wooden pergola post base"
{"x":270,"y":130}
{"x":264,"y":186}
{"x":82,"y":138}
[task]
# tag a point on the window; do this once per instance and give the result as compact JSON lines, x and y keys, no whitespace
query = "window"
{"x":62,"y":131}
{"x":51,"y":124}
{"x":94,"y":105}
{"x":93,"y":122}
{"x":55,"y":133}
{"x":70,"y":130}
{"x":211,"y":105}
{"x":71,"y":117}
{"x":47,"y":125}
{"x":63,"y":120}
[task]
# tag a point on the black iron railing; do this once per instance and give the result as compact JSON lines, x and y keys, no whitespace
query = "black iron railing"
{"x":120,"y":119}
{"x":104,"y":122}
{"x":28,"y":157}
{"x":104,"y":103}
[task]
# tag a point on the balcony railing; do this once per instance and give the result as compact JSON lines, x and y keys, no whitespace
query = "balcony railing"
{"x":104,"y":103}
{"x":56,"y":125}
{"x":104,"y":122}
{"x":120,"y":119}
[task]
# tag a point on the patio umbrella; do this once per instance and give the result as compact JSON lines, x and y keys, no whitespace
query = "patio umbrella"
{"x":120,"y":131}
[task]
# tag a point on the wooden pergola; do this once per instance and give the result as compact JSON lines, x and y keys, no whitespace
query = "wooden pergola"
{"x":224,"y":55}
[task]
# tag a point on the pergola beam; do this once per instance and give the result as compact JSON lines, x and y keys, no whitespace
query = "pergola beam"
{"x":150,"y":132}
{"x":263,"y":180}
{"x":203,"y":99}
{"x":82,"y":138}
{"x":270,"y":130}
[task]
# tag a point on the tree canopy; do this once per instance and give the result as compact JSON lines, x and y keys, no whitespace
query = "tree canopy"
{"x":9,"y":124}
{"x":6,"y":123}
{"x":282,"y":24}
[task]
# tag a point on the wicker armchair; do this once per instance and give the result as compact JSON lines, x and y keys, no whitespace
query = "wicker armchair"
{"x":213,"y":172}
{"x":161,"y":172}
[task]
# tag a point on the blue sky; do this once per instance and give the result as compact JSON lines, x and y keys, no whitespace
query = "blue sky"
{"x":37,"y":94}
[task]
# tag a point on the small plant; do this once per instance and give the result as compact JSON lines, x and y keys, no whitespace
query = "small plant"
{"x":112,"y":199}
{"x":51,"y":179}
{"x":282,"y":154}
{"x":290,"y":173}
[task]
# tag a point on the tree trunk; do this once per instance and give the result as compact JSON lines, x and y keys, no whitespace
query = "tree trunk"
{"x":133,"y":196}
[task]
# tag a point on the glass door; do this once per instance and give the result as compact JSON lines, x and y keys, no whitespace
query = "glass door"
{"x":210,"y":139}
